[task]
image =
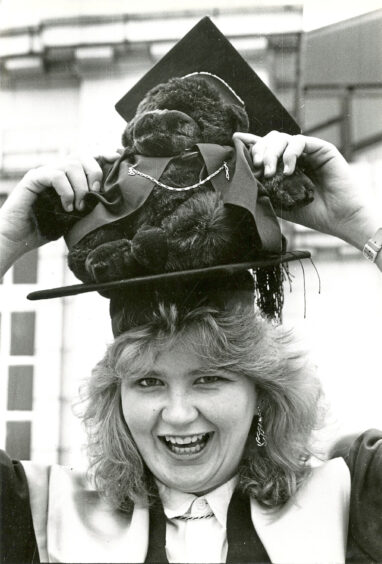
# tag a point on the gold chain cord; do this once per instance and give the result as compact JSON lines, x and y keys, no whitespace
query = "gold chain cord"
{"x":132,"y":171}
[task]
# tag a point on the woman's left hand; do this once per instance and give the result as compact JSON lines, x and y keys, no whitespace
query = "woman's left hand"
{"x":340,"y":206}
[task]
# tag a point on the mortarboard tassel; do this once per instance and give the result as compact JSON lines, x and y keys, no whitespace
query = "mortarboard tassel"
{"x":269,"y":291}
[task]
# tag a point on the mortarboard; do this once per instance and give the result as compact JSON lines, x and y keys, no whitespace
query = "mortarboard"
{"x":203,"y":50}
{"x":206,"y":49}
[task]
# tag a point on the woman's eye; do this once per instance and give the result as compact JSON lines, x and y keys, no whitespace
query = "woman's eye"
{"x":209,"y":379}
{"x":149,"y":382}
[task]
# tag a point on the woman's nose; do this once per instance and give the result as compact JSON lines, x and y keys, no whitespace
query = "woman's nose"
{"x":179,"y":410}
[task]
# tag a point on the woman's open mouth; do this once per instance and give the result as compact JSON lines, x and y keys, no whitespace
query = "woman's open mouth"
{"x":186,"y":445}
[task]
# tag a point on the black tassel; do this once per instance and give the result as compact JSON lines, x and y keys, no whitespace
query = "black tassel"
{"x":269,"y":291}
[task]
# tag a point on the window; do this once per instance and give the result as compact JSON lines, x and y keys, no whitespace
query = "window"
{"x":20,"y":388}
{"x":18,"y":439}
{"x":22,"y":333}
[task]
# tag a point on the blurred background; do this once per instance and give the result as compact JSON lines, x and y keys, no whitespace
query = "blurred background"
{"x":63,"y":66}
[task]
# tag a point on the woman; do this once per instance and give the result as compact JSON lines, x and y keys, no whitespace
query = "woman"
{"x":208,"y":406}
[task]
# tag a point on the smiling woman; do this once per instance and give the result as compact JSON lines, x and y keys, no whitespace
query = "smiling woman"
{"x":177,"y":399}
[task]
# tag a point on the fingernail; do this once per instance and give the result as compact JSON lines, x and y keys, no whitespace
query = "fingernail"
{"x":69,"y":207}
{"x":81,"y":205}
{"x":96,"y":186}
{"x":267,"y":169}
{"x":286,"y":169}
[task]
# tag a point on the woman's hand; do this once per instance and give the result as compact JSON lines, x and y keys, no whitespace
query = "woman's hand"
{"x":340,"y":207}
{"x":72,"y":178}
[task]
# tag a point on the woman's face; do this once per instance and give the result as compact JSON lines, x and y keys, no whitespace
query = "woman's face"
{"x":190,"y":428}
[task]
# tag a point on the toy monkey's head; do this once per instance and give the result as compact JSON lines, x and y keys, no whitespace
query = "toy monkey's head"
{"x":174,"y":116}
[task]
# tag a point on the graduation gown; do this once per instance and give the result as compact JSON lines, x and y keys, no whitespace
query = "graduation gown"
{"x":52,"y":514}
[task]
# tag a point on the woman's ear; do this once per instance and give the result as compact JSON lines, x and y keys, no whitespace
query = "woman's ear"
{"x":239,"y":118}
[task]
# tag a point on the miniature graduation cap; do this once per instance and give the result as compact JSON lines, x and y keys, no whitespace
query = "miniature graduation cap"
{"x":204,"y":50}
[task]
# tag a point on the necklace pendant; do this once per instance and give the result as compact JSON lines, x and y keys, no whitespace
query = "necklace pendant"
{"x":131,"y":171}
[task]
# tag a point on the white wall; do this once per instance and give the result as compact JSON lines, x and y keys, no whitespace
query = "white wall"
{"x":342,"y":331}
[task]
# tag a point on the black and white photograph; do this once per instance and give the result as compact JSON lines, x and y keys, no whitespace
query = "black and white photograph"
{"x":190,"y":281}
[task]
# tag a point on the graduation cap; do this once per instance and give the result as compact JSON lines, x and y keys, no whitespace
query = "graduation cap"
{"x":206,"y":51}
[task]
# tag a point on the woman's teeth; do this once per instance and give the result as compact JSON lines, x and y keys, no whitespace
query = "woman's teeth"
{"x":186,"y":445}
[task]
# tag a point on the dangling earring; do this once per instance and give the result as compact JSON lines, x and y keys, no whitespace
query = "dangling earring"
{"x":261,"y":439}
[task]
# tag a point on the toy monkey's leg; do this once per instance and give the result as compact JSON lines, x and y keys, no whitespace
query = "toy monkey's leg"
{"x":79,"y":253}
{"x":112,"y":261}
{"x":150,"y":248}
{"x":96,"y":260}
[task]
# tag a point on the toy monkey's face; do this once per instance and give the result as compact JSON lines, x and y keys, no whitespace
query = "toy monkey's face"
{"x":165,"y":132}
{"x":172,"y":117}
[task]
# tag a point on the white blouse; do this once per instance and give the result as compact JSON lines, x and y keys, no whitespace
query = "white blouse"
{"x":200,"y":534}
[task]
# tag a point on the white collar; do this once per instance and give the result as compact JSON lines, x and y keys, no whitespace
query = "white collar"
{"x":176,"y":503}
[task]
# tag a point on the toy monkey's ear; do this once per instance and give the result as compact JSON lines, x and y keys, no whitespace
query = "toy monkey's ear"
{"x":127,"y":135}
{"x":239,"y":118}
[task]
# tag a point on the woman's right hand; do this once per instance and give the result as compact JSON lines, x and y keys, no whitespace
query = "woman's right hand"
{"x":72,"y":178}
{"x":340,"y":207}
